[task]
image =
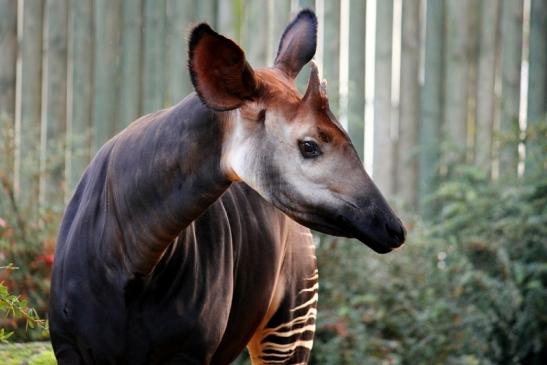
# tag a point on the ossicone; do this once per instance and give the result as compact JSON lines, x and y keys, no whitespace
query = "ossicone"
{"x":316,"y":91}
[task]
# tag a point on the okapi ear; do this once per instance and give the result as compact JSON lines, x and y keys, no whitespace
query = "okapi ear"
{"x":220,"y":73}
{"x":298,"y":43}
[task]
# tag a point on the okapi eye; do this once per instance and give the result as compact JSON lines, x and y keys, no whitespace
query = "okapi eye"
{"x":309,"y":149}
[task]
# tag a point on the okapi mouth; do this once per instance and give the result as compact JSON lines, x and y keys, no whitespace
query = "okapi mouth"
{"x":381,"y":240}
{"x":381,"y":231}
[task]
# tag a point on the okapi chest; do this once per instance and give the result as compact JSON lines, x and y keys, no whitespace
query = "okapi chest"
{"x":185,"y":242}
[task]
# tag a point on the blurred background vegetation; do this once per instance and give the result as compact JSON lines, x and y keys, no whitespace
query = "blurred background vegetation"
{"x":445,"y":101}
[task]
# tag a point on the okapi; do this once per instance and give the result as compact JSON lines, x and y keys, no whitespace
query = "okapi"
{"x":185,"y":242}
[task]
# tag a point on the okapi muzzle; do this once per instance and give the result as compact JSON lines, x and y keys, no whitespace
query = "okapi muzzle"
{"x":290,"y":148}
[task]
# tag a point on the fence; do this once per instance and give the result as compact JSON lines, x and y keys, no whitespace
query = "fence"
{"x":427,"y":73}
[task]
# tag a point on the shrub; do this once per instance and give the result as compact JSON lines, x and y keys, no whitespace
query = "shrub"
{"x":27,"y":235}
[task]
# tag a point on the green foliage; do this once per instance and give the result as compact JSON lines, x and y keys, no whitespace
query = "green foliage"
{"x":15,"y":307}
{"x":468,"y":288}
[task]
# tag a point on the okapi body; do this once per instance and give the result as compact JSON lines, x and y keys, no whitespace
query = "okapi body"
{"x":185,"y":242}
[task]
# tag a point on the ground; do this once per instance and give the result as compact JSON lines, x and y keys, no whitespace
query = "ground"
{"x":32,"y":353}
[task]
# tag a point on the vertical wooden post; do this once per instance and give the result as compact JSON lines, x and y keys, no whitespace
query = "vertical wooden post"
{"x":472,"y":51}
{"x":331,"y":53}
{"x":431,"y":106}
{"x":407,"y":179}
{"x":537,"y":76}
{"x":177,"y":78}
{"x":28,"y":102}
{"x":80,"y":90}
{"x":304,"y":75}
{"x":511,"y":54}
{"x":228,"y":18}
{"x":356,"y":79}
{"x":280,"y":20}
{"x":488,"y":41}
{"x":383,"y":167}
{"x":305,"y":4}
{"x":207,"y":11}
{"x":130,"y":62}
{"x":153,"y":88}
{"x":8,"y":57}
{"x":106,"y":70}
{"x":54,"y":102}
{"x":456,"y":73}
{"x":255,"y":33}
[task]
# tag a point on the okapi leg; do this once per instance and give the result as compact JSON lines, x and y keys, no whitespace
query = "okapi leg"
{"x":287,"y":337}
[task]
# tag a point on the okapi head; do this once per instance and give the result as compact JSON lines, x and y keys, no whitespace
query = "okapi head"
{"x":290,"y":148}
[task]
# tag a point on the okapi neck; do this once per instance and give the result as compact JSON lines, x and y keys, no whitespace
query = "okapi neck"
{"x":164,"y":172}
